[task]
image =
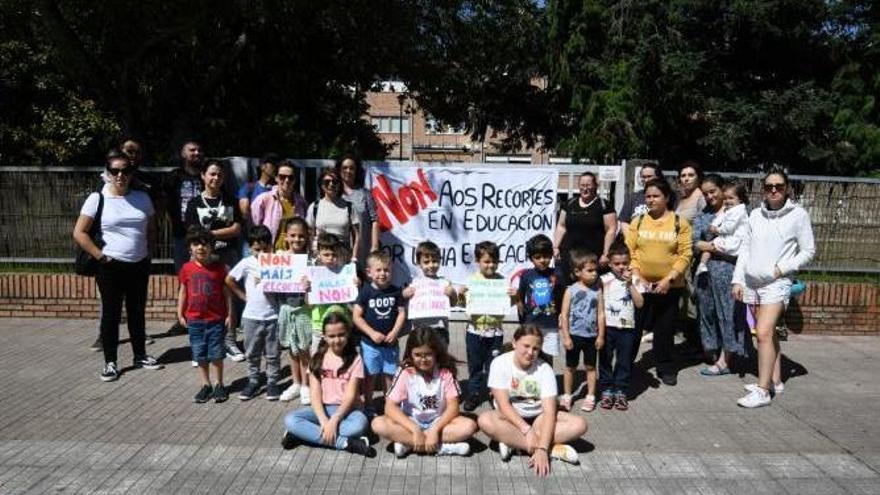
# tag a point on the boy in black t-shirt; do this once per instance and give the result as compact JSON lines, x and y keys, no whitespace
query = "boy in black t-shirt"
{"x":379,"y":314}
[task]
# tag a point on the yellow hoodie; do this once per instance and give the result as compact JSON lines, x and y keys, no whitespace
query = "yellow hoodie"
{"x":656,"y":250}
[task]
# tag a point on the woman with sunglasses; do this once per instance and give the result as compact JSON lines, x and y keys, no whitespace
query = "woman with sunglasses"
{"x":778,"y":243}
{"x":274,"y":208}
{"x":332,"y":214}
{"x":128,"y":232}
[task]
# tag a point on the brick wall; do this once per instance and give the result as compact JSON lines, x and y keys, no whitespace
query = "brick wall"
{"x":825,"y":308}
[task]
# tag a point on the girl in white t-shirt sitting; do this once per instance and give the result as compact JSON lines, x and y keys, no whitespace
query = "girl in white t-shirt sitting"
{"x":525,"y":417}
{"x":421,"y":408}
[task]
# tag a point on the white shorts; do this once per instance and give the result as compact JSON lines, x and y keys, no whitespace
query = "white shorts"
{"x":550,"y":346}
{"x":778,"y":291}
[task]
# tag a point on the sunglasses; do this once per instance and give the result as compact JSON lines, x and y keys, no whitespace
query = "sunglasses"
{"x":774,"y":187}
{"x":116,"y":171}
{"x":329,"y":182}
{"x":283,"y":177}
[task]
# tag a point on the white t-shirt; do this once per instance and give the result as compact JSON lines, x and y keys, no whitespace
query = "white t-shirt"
{"x":124,"y":222}
{"x":259,"y":306}
{"x":619,"y":309}
{"x":526,"y":388}
{"x":424,"y":401}
{"x":333,"y":217}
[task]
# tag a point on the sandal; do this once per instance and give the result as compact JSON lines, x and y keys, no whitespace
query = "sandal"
{"x":714,"y":371}
{"x":620,"y":403}
{"x":565,"y":402}
{"x":607,"y":401}
{"x":589,"y":403}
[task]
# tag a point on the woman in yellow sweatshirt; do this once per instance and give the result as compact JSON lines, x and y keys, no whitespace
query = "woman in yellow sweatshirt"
{"x":660,"y":243}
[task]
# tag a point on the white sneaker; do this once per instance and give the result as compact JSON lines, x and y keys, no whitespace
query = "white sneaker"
{"x":778,"y":388}
{"x":457,"y":448}
{"x":648,"y":337}
{"x":305,"y":397}
{"x":291,"y":393}
{"x":194,"y":364}
{"x":234,"y":353}
{"x":755,"y":398}
{"x":401,"y":450}
{"x":505,"y":451}
{"x":565,"y":453}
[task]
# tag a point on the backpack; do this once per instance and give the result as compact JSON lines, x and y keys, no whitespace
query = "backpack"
{"x":677,"y":223}
{"x":318,"y":203}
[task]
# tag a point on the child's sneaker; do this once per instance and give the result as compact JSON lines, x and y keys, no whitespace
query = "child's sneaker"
{"x":147,"y":362}
{"x":220,"y":394}
{"x":607,"y":400}
{"x":589,"y":403}
{"x":755,"y":398}
{"x":251,"y":390}
{"x":288,"y":441}
{"x":290,"y":393}
{"x":401,"y":450}
{"x":564,"y":453}
{"x":456,"y":448}
{"x":505,"y":451}
{"x":360,"y":446}
{"x":109,"y":373}
{"x":620,"y":402}
{"x":204,"y":394}
{"x":273,"y":391}
{"x":305,"y":397}
{"x":565,"y":402}
{"x":234,"y":353}
{"x":194,"y":364}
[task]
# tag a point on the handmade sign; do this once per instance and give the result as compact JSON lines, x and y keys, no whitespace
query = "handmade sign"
{"x":487,"y":297}
{"x":282,"y":272}
{"x":332,"y":287}
{"x":430,"y":299}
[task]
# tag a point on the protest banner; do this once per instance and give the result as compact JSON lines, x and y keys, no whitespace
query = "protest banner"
{"x":332,"y":287}
{"x":282,"y":272}
{"x":487,"y":297}
{"x":430,"y":299}
{"x":458,"y":207}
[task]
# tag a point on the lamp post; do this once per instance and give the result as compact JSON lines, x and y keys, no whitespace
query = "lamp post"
{"x":400,"y":99}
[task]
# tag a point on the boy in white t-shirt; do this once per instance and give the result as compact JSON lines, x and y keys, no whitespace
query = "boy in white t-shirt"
{"x":259,"y":318}
{"x":621,"y":300}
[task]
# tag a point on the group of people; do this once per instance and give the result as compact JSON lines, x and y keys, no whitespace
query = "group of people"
{"x":613,"y":278}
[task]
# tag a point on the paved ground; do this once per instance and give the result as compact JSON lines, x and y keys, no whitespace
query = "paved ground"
{"x":62,"y":430}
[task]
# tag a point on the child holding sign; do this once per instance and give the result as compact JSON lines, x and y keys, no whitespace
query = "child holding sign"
{"x":294,"y":320}
{"x":259,"y":318}
{"x":484,"y":332}
{"x":330,"y":248}
{"x":379,"y":314}
{"x":423,"y":292}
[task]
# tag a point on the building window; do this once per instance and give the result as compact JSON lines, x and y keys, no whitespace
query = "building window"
{"x":390,"y":125}
{"x":434,"y":126}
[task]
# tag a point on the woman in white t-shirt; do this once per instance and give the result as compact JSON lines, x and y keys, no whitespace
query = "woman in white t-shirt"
{"x":525,"y":416}
{"x":332,"y":214}
{"x":128,"y":231}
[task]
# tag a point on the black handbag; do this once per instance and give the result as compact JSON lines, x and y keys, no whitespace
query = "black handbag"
{"x":86,"y":264}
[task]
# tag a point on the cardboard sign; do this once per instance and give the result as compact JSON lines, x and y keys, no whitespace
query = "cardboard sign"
{"x":332,"y":287}
{"x":282,"y":272}
{"x":430,"y":299}
{"x":487,"y":297}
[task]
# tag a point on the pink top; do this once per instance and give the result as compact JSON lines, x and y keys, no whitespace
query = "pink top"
{"x":421,"y":399}
{"x":266,"y":209}
{"x":333,"y":385}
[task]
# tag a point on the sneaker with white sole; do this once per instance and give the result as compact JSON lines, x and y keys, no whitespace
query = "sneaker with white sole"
{"x":778,"y":388}
{"x":194,"y":364}
{"x":565,"y":453}
{"x":505,"y":451}
{"x":305,"y":397}
{"x":97,"y":346}
{"x":401,"y":450}
{"x":755,"y":398}
{"x":292,"y":392}
{"x":147,"y":362}
{"x":110,"y":372}
{"x":455,"y":448}
{"x":273,"y":391}
{"x":234,"y":353}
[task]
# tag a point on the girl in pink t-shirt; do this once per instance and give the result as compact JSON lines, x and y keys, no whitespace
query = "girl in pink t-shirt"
{"x":334,"y":418}
{"x":421,"y":408}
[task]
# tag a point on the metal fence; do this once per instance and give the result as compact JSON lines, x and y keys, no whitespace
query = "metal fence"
{"x":39,"y":207}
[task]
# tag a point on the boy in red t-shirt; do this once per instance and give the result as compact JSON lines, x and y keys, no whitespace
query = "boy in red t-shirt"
{"x":202,"y":307}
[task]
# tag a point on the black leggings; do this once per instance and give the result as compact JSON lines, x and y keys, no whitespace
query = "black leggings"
{"x":120,"y":281}
{"x":660,"y":315}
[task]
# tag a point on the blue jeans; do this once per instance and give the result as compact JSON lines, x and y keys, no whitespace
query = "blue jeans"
{"x":620,"y":343}
{"x":480,"y":352}
{"x":304,"y":425}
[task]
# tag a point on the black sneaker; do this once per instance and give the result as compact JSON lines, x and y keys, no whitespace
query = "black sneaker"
{"x":110,"y":373}
{"x":251,"y":390}
{"x":147,"y":362}
{"x":470,"y":404}
{"x":204,"y":394}
{"x":670,"y":379}
{"x":149,"y":340}
{"x":97,"y":346}
{"x":220,"y":394}
{"x":360,"y":446}
{"x":273,"y":391}
{"x":288,"y":441}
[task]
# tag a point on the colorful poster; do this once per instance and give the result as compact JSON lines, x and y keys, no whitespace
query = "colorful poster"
{"x":282,"y":272}
{"x":333,"y":286}
{"x":430,"y":299}
{"x":487,"y":297}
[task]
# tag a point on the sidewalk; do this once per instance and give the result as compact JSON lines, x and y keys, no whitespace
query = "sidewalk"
{"x":63,"y":430}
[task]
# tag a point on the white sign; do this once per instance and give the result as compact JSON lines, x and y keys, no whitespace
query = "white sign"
{"x":282,"y":272}
{"x":332,"y":286}
{"x":458,"y":207}
{"x":487,"y":297}
{"x":430,"y":299}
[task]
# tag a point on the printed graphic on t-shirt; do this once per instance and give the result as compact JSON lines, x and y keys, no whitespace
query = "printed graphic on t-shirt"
{"x":541,"y":296}
{"x":524,"y":390}
{"x":189,"y":189}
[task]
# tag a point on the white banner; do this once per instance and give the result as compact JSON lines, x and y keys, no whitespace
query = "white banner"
{"x":458,"y":207}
